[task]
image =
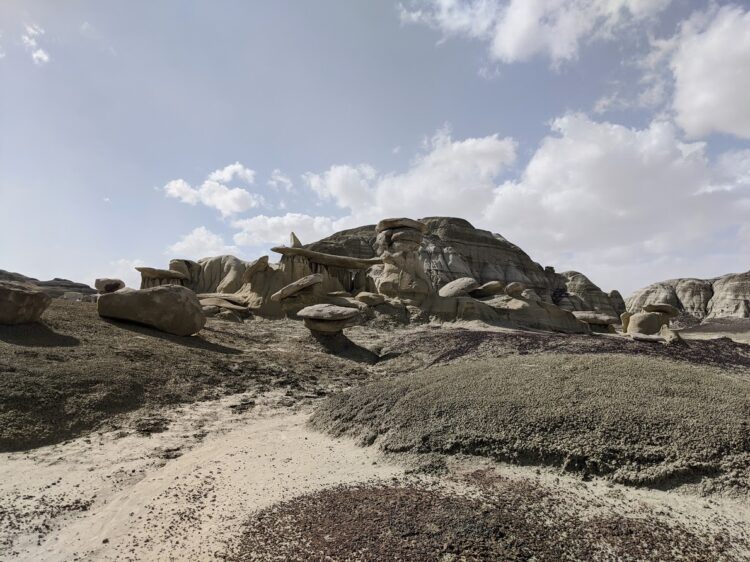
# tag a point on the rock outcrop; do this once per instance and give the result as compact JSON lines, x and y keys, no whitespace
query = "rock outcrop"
{"x":727,"y":296}
{"x":21,"y":303}
{"x":169,"y":308}
{"x":55,"y":288}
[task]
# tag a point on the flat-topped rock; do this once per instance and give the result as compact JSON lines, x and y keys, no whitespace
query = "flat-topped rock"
{"x":370,"y":299}
{"x":489,"y":289}
{"x":297,"y":286}
{"x":394,"y":223}
{"x":327,"y":318}
{"x":664,"y":308}
{"x":169,"y":308}
{"x":596,"y":318}
{"x":155,"y":273}
{"x":459,"y":287}
{"x":107,"y":285}
{"x":21,"y":303}
{"x":222,"y":303}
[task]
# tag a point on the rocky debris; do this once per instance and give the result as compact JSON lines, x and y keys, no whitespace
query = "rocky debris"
{"x":727,"y":296}
{"x":169,"y":308}
{"x":327,"y":318}
{"x":459,"y":288}
{"x":667,"y":309}
{"x":55,"y":288}
{"x":647,"y":323}
{"x":297,"y":286}
{"x":515,"y":289}
{"x":21,"y":303}
{"x":489,"y":289}
{"x":107,"y":285}
{"x":370,"y":299}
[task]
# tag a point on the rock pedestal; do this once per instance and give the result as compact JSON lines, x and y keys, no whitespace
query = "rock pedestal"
{"x":327,"y":319}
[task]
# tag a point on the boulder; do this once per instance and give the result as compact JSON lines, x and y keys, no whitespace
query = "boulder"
{"x":327,"y":318}
{"x":647,"y":323}
{"x":297,"y":286}
{"x":459,"y":287}
{"x":515,"y":290}
{"x":386,"y":224}
{"x":370,"y":299}
{"x":222,"y":303}
{"x":106,"y":285}
{"x":489,"y":289}
{"x":21,"y":302}
{"x":169,"y":308}
{"x":667,"y":309}
{"x":596,"y":318}
{"x":228,"y":316}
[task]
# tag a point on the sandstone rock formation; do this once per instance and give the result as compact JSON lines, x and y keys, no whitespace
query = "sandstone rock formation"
{"x":21,"y":302}
{"x":107,"y":285}
{"x":327,"y":318}
{"x":459,"y":287}
{"x":154,"y":277}
{"x":647,"y":323}
{"x":727,"y":296}
{"x":169,"y":308}
{"x":489,"y":289}
{"x":297,"y":286}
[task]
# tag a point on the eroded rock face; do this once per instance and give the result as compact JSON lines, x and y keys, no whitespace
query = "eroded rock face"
{"x":724,"y":297}
{"x":169,"y":308}
{"x":588,"y":296}
{"x":21,"y":303}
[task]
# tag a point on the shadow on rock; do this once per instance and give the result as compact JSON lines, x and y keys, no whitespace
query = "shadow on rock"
{"x":35,"y":335}
{"x":197,"y":341}
{"x":341,"y":346}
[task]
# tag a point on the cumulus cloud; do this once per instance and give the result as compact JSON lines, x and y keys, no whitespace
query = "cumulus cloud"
{"x":518,"y":30}
{"x":711,"y":69}
{"x":213,"y":193}
{"x":30,"y":40}
{"x":200,"y":243}
{"x":279,"y":180}
{"x":262,"y":229}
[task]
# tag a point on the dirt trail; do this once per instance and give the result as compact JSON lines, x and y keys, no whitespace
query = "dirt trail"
{"x":123,"y":498}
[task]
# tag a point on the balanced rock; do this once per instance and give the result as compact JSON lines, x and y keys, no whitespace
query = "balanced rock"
{"x":21,"y":303}
{"x":386,"y":224}
{"x":664,"y":308}
{"x":489,"y":289}
{"x":459,"y":287}
{"x":647,"y":323}
{"x":370,"y":299}
{"x":106,"y":285}
{"x":169,"y":308}
{"x":515,"y":289}
{"x":297,"y":286}
{"x":327,"y":318}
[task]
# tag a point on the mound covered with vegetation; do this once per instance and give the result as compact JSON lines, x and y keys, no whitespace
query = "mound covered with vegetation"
{"x":640,"y":420}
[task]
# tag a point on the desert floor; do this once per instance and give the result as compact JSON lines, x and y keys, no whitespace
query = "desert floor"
{"x":257,"y":441}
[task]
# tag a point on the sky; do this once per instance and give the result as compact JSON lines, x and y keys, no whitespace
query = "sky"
{"x":610,"y":137}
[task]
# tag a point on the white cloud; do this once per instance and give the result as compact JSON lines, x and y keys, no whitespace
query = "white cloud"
{"x":30,"y":42}
{"x":279,"y":180}
{"x":711,"y":69}
{"x":518,"y":30}
{"x":200,"y":243}
{"x":123,"y":269}
{"x":232,"y":171}
{"x":261,"y":229}
{"x":213,"y":193}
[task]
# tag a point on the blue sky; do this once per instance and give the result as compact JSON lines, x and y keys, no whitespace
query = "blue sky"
{"x":607,"y":136}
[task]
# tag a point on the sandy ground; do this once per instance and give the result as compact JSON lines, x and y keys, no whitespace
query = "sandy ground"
{"x":177,"y":495}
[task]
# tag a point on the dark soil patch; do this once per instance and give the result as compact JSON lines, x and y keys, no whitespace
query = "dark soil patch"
{"x":509,"y":520}
{"x":641,"y":420}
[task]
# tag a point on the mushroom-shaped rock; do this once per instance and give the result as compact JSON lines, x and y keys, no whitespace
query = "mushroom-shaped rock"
{"x":664,"y":308}
{"x":327,"y":318}
{"x":370,"y":299}
{"x":21,"y":302}
{"x":169,"y":308}
{"x":386,"y":224}
{"x":515,"y":289}
{"x":106,"y":285}
{"x":459,"y":287}
{"x":297,"y":286}
{"x":489,"y":289}
{"x":647,"y":323}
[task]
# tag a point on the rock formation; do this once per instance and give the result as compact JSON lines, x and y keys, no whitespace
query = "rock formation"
{"x":55,"y":288}
{"x":169,"y":308}
{"x":727,"y":296}
{"x":327,"y":318}
{"x":107,"y":285}
{"x":21,"y":303}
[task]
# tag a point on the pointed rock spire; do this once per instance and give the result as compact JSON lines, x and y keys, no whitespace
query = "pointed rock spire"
{"x":294,"y":241}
